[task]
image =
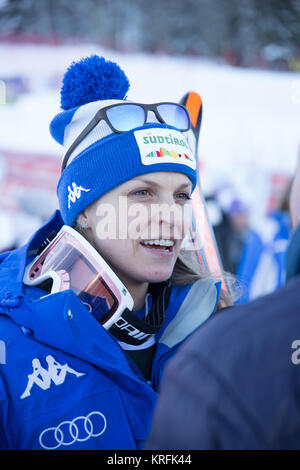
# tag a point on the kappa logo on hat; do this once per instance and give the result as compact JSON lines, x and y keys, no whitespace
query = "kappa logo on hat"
{"x":74,"y":193}
{"x":164,"y":146}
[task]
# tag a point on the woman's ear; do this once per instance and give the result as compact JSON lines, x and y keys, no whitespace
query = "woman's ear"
{"x":83,"y":220}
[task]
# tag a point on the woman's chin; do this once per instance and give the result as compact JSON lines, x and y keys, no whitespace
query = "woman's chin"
{"x":154,"y":277}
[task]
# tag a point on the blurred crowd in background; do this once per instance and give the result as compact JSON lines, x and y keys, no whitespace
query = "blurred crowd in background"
{"x":254,"y":252}
{"x":248,"y":33}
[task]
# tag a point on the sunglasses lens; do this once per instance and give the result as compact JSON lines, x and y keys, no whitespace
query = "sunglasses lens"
{"x":174,"y":116}
{"x":126,"y":116}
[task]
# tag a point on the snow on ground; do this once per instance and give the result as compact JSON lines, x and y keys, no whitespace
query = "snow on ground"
{"x":250,"y":122}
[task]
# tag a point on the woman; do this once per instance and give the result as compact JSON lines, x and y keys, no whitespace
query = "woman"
{"x":98,"y":301}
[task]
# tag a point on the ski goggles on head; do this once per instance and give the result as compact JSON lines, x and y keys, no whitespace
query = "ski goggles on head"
{"x":70,"y":262}
{"x":123,"y":117}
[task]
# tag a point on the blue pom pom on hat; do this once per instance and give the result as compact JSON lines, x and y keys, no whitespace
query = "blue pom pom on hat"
{"x":93,"y":79}
{"x":103,"y":160}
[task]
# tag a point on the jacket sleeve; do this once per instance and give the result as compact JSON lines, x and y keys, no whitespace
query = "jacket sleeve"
{"x":197,"y":409}
{"x":235,"y":384}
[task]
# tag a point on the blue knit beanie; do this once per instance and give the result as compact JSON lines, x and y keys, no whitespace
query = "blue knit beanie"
{"x":104,"y":159}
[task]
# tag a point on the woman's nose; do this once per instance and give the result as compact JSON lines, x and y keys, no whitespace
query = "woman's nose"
{"x":168,"y":220}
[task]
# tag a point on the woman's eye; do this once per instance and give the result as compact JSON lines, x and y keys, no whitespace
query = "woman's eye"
{"x":142,"y":193}
{"x":183,"y":196}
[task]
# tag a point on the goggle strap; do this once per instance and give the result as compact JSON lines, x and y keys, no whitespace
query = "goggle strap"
{"x":47,"y":241}
{"x":133,"y":330}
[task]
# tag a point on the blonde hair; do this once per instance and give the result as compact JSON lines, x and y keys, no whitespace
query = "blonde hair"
{"x":187,"y":271}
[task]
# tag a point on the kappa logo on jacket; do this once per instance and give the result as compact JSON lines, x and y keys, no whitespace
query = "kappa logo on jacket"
{"x":42,"y":377}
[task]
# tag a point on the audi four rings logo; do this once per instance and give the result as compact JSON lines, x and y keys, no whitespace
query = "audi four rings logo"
{"x":80,"y":429}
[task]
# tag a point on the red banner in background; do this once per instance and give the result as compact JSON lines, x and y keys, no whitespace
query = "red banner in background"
{"x":22,"y":174}
{"x":279,"y":191}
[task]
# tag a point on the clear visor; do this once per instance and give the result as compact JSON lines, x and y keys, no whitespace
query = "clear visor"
{"x":70,"y":262}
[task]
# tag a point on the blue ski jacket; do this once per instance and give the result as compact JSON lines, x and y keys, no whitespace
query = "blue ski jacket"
{"x":65,"y":382}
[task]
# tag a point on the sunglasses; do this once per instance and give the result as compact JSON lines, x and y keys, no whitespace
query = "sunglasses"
{"x":123,"y":117}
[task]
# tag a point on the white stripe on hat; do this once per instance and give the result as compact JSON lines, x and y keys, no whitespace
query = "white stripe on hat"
{"x":80,"y":120}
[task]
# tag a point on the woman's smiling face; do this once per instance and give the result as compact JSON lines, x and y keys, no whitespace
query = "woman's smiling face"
{"x":138,"y":227}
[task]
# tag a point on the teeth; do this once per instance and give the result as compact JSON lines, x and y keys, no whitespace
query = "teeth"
{"x":159,"y":242}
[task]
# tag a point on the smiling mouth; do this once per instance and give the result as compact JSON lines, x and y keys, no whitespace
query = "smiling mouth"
{"x":162,"y":244}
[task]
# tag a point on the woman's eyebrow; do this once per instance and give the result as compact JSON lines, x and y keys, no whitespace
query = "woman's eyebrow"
{"x":185,"y":185}
{"x":153,"y":183}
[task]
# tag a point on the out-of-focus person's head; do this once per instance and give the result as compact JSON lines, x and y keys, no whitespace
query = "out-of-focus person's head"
{"x":295,"y":197}
{"x":283,"y":204}
{"x":239,"y":215}
{"x":293,"y":252}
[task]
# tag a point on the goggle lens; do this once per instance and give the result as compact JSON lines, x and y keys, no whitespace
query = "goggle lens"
{"x":99,"y":299}
{"x":71,"y":265}
{"x":126,"y":117}
{"x":174,"y":115}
